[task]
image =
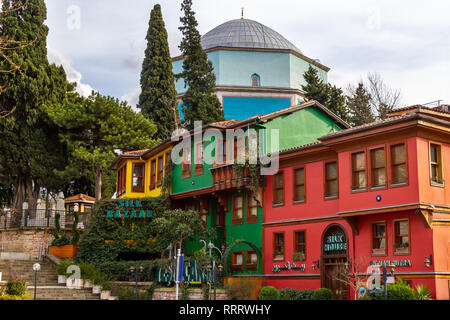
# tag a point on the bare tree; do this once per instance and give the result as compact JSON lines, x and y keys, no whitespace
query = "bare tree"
{"x":352,"y":274}
{"x":383,"y":97}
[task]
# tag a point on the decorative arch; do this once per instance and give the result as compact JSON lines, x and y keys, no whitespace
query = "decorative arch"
{"x":228,"y":250}
{"x":256,"y":80}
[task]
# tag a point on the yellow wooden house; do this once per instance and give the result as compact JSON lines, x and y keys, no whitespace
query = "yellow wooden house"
{"x":140,"y":173}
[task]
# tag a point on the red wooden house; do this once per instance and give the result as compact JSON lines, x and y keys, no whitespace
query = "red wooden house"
{"x":369,"y":195}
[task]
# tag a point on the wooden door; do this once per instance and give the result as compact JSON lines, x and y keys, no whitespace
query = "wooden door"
{"x":333,"y":281}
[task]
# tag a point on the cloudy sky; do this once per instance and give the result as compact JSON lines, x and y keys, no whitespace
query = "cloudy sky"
{"x":101,"y":43}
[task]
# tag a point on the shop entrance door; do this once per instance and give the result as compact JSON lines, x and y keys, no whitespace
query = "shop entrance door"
{"x":334,"y":266}
{"x":334,"y":277}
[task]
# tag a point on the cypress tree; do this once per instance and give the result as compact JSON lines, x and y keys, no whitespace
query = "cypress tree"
{"x":29,"y":145}
{"x":157,"y":100}
{"x":200,"y":102}
{"x":328,"y":95}
{"x":358,"y":102}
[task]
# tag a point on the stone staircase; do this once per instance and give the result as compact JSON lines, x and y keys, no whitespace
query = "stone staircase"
{"x":47,"y":281}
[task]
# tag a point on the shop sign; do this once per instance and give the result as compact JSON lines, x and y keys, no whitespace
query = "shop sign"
{"x":335,"y":243}
{"x":397,"y":263}
{"x":129,"y":209}
{"x":189,"y":273}
{"x":288,"y":266}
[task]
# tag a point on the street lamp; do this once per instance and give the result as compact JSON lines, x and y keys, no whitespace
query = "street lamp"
{"x":136,"y":271}
{"x":36,"y":268}
{"x":385,"y":276}
{"x":211,"y":246}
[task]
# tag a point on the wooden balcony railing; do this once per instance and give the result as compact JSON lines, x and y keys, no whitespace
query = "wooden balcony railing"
{"x":226,"y":177}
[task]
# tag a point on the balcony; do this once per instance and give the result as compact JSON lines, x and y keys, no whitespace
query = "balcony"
{"x":227,"y":178}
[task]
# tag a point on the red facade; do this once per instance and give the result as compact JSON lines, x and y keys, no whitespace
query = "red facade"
{"x":374,"y":194}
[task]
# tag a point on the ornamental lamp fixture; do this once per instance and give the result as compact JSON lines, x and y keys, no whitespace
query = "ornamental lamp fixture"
{"x":132,"y":269}
{"x":428,"y":261}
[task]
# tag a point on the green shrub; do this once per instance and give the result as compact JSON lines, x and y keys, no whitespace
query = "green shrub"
{"x":205,"y":292}
{"x":16,"y":288}
{"x":297,"y":294}
{"x":269,"y":293}
{"x":185,"y":291}
{"x":122,"y":292}
{"x":400,"y":291}
{"x":98,"y":278}
{"x":365,"y":297}
{"x":61,"y":268}
{"x":14,"y":297}
{"x":87,"y":270}
{"x":121,"y":270}
{"x":149,"y":292}
{"x":75,"y":233}
{"x":422,"y":292}
{"x":62,"y":240}
{"x":323,"y":294}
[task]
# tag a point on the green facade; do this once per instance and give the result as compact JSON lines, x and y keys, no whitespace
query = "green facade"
{"x":295,"y":129}
{"x":299,"y":128}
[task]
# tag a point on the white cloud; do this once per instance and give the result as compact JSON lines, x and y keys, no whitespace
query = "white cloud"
{"x":132,"y":97}
{"x":54,"y":56}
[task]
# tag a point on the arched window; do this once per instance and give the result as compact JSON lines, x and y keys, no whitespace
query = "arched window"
{"x":256,"y":81}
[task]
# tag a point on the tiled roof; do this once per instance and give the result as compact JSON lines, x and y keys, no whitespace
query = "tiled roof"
{"x":80,"y":197}
{"x":367,"y":125}
{"x":135,"y":152}
{"x":225,"y":123}
{"x":305,"y":146}
{"x":418,"y":108}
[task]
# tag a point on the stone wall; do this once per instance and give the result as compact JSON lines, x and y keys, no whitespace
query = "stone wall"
{"x":194,"y":294}
{"x":24,"y":240}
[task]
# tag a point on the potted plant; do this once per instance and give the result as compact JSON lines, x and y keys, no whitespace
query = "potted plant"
{"x":87,"y":274}
{"x":62,"y":246}
{"x":278,"y":256}
{"x":401,"y":248}
{"x":61,"y":270}
{"x":106,"y":291}
{"x":97,"y":280}
{"x":298,"y":256}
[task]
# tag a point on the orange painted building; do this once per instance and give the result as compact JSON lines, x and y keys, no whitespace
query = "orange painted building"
{"x":369,"y":195}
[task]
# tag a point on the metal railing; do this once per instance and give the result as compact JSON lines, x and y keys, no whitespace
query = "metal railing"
{"x":40,"y":218}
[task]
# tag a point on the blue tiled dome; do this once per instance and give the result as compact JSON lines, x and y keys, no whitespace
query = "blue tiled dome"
{"x":244,"y":33}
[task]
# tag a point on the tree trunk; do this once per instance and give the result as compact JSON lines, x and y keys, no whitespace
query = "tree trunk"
{"x":98,"y":183}
{"x":33,"y":192}
{"x":19,"y":199}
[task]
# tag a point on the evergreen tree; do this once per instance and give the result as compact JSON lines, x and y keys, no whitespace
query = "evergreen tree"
{"x":29,"y":145}
{"x":200,"y":102}
{"x":358,"y":102}
{"x":336,"y":102}
{"x":94,"y":128}
{"x":328,"y":95}
{"x":157,"y":100}
{"x":315,"y":88}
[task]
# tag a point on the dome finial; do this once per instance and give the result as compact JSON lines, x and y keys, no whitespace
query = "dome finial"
{"x":242,"y":13}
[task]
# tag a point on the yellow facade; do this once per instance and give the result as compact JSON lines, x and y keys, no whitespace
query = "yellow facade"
{"x":146,"y":160}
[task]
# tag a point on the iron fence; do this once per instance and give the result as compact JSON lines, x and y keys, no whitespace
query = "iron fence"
{"x":41,"y":218}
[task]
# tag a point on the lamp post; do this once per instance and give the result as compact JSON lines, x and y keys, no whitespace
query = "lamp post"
{"x":136,"y":271}
{"x":385,"y":277}
{"x":36,"y":268}
{"x":214,"y":269}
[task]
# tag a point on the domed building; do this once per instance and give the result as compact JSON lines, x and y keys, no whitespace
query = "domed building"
{"x":257,"y":70}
